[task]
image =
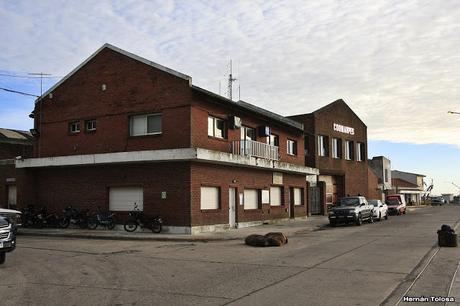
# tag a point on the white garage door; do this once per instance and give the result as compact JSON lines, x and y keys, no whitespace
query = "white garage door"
{"x":123,"y":198}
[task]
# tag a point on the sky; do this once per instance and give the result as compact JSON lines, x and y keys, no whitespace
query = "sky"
{"x":396,"y":63}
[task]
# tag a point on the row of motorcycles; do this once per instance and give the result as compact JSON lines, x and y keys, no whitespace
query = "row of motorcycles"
{"x":83,"y":219}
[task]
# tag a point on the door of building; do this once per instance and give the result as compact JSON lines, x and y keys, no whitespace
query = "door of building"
{"x":314,"y":198}
{"x":125,"y":198}
{"x":231,"y":207}
{"x":12,"y":194}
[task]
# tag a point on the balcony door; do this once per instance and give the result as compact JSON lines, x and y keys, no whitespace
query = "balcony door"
{"x":247,"y":134}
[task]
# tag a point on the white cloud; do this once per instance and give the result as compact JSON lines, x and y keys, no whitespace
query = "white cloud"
{"x":395,"y":62}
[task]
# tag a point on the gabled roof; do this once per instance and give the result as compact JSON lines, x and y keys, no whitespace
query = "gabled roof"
{"x":126,"y":53}
{"x":402,"y":183}
{"x":330,"y":105}
{"x":252,"y":108}
{"x":243,"y":105}
{"x":15,"y":136}
{"x":403,"y":172}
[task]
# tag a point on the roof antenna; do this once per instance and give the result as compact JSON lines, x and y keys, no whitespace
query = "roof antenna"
{"x":231,"y":79}
{"x":239,"y":82}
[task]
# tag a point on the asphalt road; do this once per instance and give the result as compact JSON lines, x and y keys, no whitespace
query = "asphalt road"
{"x":368,"y":265}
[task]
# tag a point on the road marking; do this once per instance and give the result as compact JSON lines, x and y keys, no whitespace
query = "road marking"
{"x":417,"y":277}
{"x":452,"y":282}
{"x":423,"y":270}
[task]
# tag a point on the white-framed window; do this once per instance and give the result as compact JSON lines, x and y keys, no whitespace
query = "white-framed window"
{"x":217,"y":127}
{"x":336,"y":148}
{"x":90,"y":125}
{"x":251,"y":199}
{"x":209,"y":197}
{"x":150,"y":124}
{"x":74,"y":127}
{"x":275,"y":196}
{"x":291,"y":147}
{"x":248,"y":133}
{"x":323,"y":145}
{"x":273,"y":140}
{"x":360,"y":154}
{"x":297,"y":196}
{"x":349,"y":150}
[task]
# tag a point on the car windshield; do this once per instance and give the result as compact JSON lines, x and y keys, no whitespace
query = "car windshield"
{"x":393,"y":202}
{"x":349,"y":202}
{"x":374,"y":202}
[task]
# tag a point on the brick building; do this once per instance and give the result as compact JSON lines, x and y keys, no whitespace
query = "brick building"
{"x":13,"y":144}
{"x":336,"y":144}
{"x":121,"y":130}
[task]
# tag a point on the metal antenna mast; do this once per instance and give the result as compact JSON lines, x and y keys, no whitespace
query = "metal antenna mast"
{"x":231,"y":79}
{"x":41,"y":74}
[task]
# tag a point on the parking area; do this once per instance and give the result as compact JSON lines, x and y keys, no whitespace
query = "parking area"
{"x":348,"y":265}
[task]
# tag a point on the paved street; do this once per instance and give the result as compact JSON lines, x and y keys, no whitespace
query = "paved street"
{"x":368,"y":265}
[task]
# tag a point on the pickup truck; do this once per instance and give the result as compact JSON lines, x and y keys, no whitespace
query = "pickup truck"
{"x":352,"y":210}
{"x":7,"y":238}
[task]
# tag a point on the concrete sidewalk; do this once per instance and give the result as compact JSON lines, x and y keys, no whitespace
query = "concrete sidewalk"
{"x":289,"y":228}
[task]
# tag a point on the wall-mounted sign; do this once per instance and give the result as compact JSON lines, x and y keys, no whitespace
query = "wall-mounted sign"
{"x":344,"y":129}
{"x":277,"y":178}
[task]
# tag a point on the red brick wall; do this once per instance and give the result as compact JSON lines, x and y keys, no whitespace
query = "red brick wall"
{"x":224,"y":176}
{"x":373,"y":184}
{"x":132,"y":88}
{"x":201,"y":109}
{"x":355,"y":172}
{"x":88,"y":187}
{"x":11,"y":150}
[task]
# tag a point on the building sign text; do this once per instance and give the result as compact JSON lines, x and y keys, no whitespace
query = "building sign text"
{"x":344,"y":129}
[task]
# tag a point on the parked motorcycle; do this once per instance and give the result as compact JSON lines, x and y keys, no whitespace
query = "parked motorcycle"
{"x":43,"y":219}
{"x":29,"y":217}
{"x":137,"y":218}
{"x":74,"y":216}
{"x":106,"y":219}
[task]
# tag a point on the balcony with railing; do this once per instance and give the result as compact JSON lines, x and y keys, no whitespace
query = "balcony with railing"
{"x":255,"y":149}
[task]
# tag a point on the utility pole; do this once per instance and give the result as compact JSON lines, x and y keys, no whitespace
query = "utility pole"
{"x":41,"y":74}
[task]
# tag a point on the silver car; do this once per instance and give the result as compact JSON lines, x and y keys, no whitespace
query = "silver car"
{"x":380,"y":209}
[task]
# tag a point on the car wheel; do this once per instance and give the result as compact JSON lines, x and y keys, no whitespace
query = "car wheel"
{"x":380,"y":216}
{"x":333,"y":224}
{"x":386,"y":216}
{"x":359,"y":220}
{"x":2,"y":257}
{"x":371,"y":218}
{"x":404,"y":211}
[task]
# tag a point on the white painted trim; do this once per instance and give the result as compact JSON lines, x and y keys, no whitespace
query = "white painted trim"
{"x":121,"y":51}
{"x":186,"y":154}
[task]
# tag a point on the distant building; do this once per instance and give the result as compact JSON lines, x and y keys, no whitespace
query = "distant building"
{"x":13,"y":144}
{"x":381,"y":166}
{"x":336,"y":144}
{"x":409,"y":184}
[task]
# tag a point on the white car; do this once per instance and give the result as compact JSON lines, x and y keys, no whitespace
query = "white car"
{"x":13,"y":215}
{"x":380,"y":209}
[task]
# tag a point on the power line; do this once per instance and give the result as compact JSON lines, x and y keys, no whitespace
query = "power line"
{"x":28,"y":76}
{"x":19,"y":92}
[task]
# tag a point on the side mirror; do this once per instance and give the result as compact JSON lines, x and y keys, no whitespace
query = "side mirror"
{"x":362,"y":204}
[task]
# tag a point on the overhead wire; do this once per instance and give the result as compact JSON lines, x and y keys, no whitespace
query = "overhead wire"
{"x":18,"y":92}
